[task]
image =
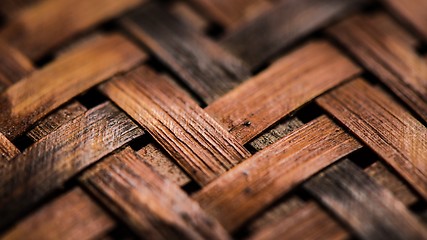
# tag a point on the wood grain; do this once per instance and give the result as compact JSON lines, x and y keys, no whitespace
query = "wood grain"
{"x":208,"y":70}
{"x":91,"y":63}
{"x":276,"y":92}
{"x":270,"y":173}
{"x":384,"y":126}
{"x":71,"y":216}
{"x":369,"y":209}
{"x":257,"y":40}
{"x":14,"y":65}
{"x":7,"y":150}
{"x":196,"y":141}
{"x":153,"y":207}
{"x":393,"y":61}
{"x":58,"y":23}
{"x":47,"y":164}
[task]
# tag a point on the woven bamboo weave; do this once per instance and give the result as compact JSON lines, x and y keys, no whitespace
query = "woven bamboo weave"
{"x":213,"y":119}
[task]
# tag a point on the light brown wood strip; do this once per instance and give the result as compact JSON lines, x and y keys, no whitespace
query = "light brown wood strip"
{"x":387,"y":56}
{"x":47,"y":164}
{"x":59,"y":23}
{"x":259,"y":39}
{"x":196,"y":141}
{"x":55,"y":120}
{"x":270,"y":173}
{"x":153,"y":207}
{"x":308,"y":222}
{"x":412,"y":11}
{"x":369,"y":209}
{"x":71,"y":216}
{"x":13,"y":65}
{"x":249,"y":109}
{"x":384,"y":126}
{"x":7,"y":150}
{"x":92,"y":62}
{"x":209,"y":70}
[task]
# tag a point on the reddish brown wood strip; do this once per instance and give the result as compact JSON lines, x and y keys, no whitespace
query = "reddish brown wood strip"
{"x":369,"y":209}
{"x":47,"y":164}
{"x":92,"y":62}
{"x":268,"y":174}
{"x":412,"y":11}
{"x":14,"y":66}
{"x":157,"y":208}
{"x":197,"y":142}
{"x":59,"y":23}
{"x":7,"y":150}
{"x":308,"y":222}
{"x":393,"y":61}
{"x":384,"y":126}
{"x":249,"y":109}
{"x":208,"y":70}
{"x":71,"y":216}
{"x":286,"y":22}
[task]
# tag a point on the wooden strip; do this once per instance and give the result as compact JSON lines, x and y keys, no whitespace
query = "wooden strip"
{"x":92,"y":62}
{"x":309,"y":222}
{"x":268,"y":174}
{"x":204,"y":66}
{"x":231,"y":13}
{"x":71,"y":216}
{"x":47,"y":164}
{"x":288,"y":21}
{"x":189,"y":16}
{"x":412,"y":11}
{"x":56,"y":120}
{"x":153,"y":207}
{"x":384,"y":126}
{"x":393,"y":61}
{"x":369,"y":209}
{"x":196,"y":141}
{"x":254,"y":105}
{"x":7,"y":150}
{"x":58,"y":23}
{"x":14,"y":66}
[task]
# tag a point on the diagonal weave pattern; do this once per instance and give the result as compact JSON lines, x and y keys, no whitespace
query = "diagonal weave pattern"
{"x":213,"y":119}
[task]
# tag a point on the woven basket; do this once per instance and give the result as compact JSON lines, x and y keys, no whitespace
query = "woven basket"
{"x":213,"y":119}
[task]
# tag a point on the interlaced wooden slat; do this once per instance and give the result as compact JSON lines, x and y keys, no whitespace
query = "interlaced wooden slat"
{"x":222,"y":119}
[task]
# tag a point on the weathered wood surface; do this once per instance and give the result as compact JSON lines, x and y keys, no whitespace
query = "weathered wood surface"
{"x":154,"y":207}
{"x":7,"y":150}
{"x":390,"y":58}
{"x":58,"y":23}
{"x":86,"y":65}
{"x":384,"y":126}
{"x":268,"y":174}
{"x":47,"y":164}
{"x":196,"y":141}
{"x":209,"y":70}
{"x":369,"y":209}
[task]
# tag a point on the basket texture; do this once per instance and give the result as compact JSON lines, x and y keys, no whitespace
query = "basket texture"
{"x":213,"y":119}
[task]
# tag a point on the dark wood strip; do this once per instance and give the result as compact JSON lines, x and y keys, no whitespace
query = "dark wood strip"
{"x":412,"y":11}
{"x":393,"y":61}
{"x":257,"y":40}
{"x":369,"y":209}
{"x":202,"y":147}
{"x":14,"y":65}
{"x":308,"y":222}
{"x":270,"y":173}
{"x":55,"y":120}
{"x":71,"y":216}
{"x":263,"y":100}
{"x":47,"y":164}
{"x":7,"y":150}
{"x":58,"y":23}
{"x":384,"y":126}
{"x":208,"y":70}
{"x":82,"y":67}
{"x":153,"y":207}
